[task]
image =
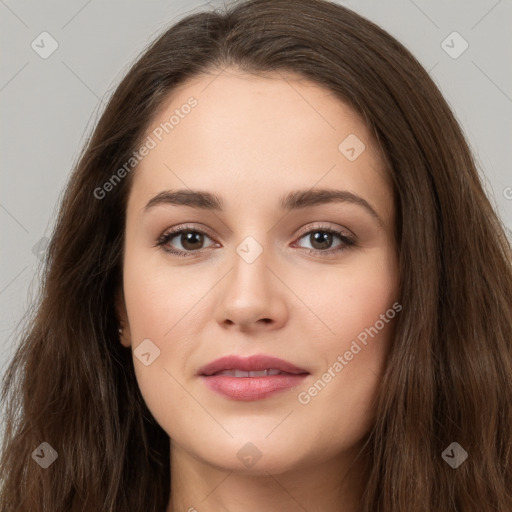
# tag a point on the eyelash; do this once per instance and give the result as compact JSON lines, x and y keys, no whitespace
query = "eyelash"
{"x":164,"y":239}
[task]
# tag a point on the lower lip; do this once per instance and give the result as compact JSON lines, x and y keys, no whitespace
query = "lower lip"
{"x":252,"y":388}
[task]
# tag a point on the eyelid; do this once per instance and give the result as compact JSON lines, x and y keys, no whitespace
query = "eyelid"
{"x":188,"y":227}
{"x":319,"y":225}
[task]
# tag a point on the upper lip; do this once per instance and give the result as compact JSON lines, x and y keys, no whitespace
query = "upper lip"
{"x":252,"y":363}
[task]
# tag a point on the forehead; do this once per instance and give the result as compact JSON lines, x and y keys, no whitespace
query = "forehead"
{"x":247,"y":135}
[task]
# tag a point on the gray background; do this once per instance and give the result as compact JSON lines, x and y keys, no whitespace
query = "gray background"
{"x":49,"y":105}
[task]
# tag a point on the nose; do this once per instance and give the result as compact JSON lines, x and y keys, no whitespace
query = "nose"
{"x":251,"y":297}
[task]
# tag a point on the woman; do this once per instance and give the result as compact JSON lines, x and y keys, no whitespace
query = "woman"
{"x":191,"y":353}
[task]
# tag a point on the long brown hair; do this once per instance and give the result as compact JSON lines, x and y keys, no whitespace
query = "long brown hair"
{"x":449,"y":373}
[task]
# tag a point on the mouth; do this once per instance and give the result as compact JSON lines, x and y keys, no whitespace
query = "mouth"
{"x":254,"y":373}
{"x":251,"y":378}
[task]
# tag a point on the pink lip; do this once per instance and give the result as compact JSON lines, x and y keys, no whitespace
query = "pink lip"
{"x":251,"y":388}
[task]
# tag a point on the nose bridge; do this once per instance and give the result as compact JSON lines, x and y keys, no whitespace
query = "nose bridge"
{"x":251,"y":292}
{"x":250,"y":262}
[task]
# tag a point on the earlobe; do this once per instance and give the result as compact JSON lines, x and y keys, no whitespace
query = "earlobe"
{"x":124,"y":337}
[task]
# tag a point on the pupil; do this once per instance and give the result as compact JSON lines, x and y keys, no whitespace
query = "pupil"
{"x":189,"y":238}
{"x":322,"y":238}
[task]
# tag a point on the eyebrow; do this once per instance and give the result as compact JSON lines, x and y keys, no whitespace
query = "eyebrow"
{"x":294,"y":200}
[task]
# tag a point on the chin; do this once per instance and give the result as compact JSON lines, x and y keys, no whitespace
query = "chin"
{"x":254,"y":458}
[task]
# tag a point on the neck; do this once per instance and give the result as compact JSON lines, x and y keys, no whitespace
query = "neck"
{"x":334,"y":485}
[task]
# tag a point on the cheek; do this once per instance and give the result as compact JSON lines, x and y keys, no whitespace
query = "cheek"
{"x":160,"y":300}
{"x":154,"y":315}
{"x":340,"y":400}
{"x":360,"y":314}
{"x":351,"y":298}
{"x":163,"y":306}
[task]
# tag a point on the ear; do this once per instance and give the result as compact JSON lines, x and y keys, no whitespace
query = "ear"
{"x":122,"y":317}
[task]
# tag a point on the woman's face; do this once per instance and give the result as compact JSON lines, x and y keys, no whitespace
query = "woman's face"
{"x":264,"y":272}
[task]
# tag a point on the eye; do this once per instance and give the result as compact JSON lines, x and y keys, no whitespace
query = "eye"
{"x":322,"y":237}
{"x":190,"y":239}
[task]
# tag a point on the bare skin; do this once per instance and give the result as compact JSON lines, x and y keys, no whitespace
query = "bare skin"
{"x":252,"y":140}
